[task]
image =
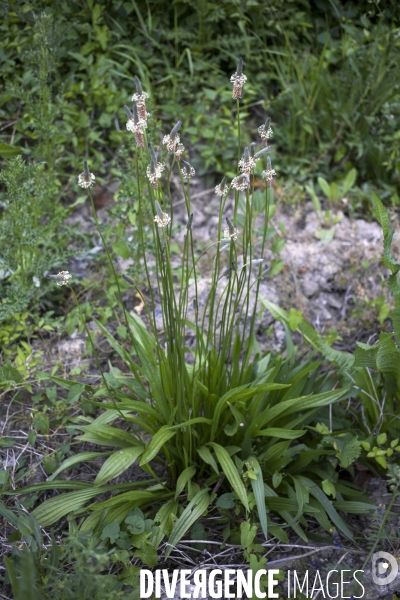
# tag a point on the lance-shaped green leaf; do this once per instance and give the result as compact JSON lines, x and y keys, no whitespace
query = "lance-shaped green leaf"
{"x":327,"y":505}
{"x":259,"y":495}
{"x":130,"y":499}
{"x":7,"y":514}
{"x":192,"y":512}
{"x":117,"y":463}
{"x":284,"y":434}
{"x":243,"y":392}
{"x":54,"y":509}
{"x":302,"y":403}
{"x":231,"y":473}
{"x":73,"y":460}
{"x":183,"y":478}
{"x":160,"y":438}
{"x":145,"y":345}
{"x":106,"y":435}
{"x":208,"y":458}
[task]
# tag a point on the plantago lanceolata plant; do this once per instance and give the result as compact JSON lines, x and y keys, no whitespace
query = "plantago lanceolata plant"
{"x":193,"y":415}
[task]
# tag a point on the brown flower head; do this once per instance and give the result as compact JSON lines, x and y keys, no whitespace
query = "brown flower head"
{"x":86,"y":179}
{"x":154,"y":169}
{"x":231,"y":232}
{"x":140,"y":98}
{"x":265,"y":132}
{"x":135,"y":125}
{"x":241,"y":183}
{"x":61,"y":278}
{"x":221,"y":189}
{"x":187,"y":170}
{"x":162,"y":219}
{"x":247,"y":162}
{"x":238,"y":79}
{"x":269,"y":174}
{"x":172,"y":141}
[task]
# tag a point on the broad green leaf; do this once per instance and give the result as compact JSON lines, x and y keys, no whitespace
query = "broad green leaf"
{"x":302,"y":496}
{"x":231,"y":473}
{"x":73,"y":460}
{"x":388,"y":357}
{"x":277,"y":532}
{"x":128,"y":404}
{"x":349,"y":181}
{"x":190,"y":515}
{"x":356,"y":508}
{"x":306,"y":457}
{"x":130,"y":499}
{"x":327,"y":505}
{"x":294,"y":319}
{"x":381,"y":213}
{"x":160,"y":438}
{"x":165,"y":517}
{"x":7,"y":151}
{"x":259,"y":495}
{"x":106,"y":435}
{"x":345,"y":360}
{"x":277,"y":450}
{"x":247,"y":534}
{"x":183,"y":478}
{"x":111,"y":532}
{"x":303,"y":403}
{"x":8,"y":515}
{"x":284,"y":434}
{"x":365,"y":355}
{"x":145,"y":345}
{"x":226,"y":501}
{"x":75,"y":393}
{"x":54,"y":509}
{"x":314,"y":198}
{"x":117,"y":463}
{"x":382,"y":439}
{"x":208,"y":458}
{"x":12,"y":573}
{"x":192,"y":422}
{"x":51,"y":485}
{"x":272,"y":496}
{"x":329,"y":488}
{"x":349,"y":453}
{"x":243,"y":392}
{"x":121,"y":249}
{"x":325,"y":187}
{"x":277,"y":479}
